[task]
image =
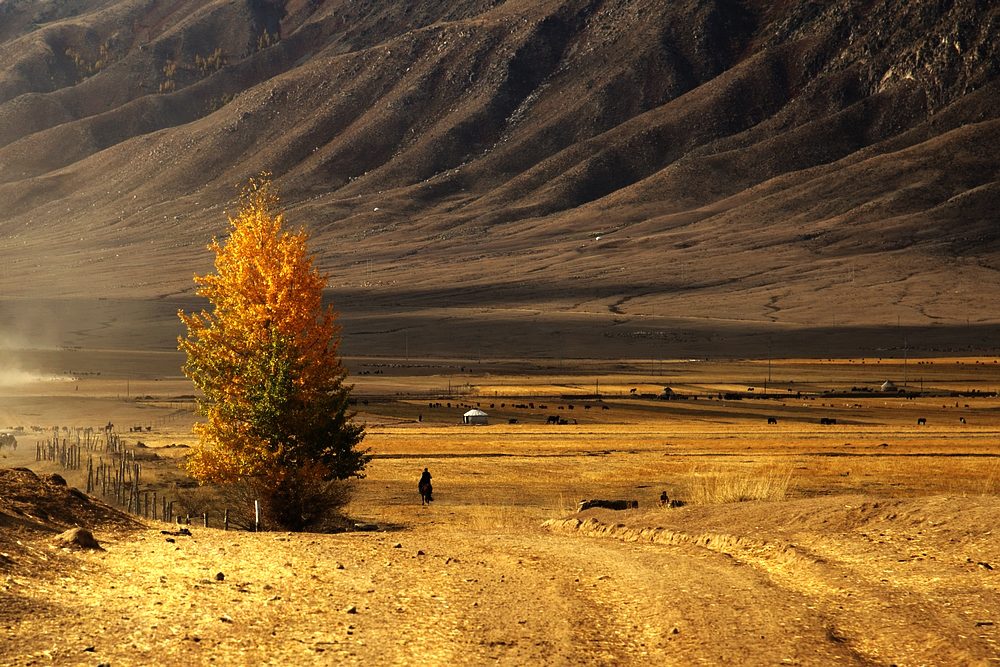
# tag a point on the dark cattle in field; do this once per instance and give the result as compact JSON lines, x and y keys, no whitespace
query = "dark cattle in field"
{"x":607,"y":504}
{"x":553,"y":419}
{"x":921,"y":421}
{"x":827,"y":421}
{"x":772,"y":420}
{"x":961,"y":419}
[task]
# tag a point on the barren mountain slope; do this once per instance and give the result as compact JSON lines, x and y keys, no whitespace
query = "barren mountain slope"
{"x":728,"y":158}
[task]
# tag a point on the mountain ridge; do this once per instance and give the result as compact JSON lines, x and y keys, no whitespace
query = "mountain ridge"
{"x":753,"y":152}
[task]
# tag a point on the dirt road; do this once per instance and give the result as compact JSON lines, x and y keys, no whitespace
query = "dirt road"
{"x":438,"y":597}
{"x":571,"y":593}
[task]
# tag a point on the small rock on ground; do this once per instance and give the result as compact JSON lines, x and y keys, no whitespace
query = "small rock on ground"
{"x":79,"y":538}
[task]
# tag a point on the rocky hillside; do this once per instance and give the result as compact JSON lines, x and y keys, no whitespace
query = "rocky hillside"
{"x":717,"y":158}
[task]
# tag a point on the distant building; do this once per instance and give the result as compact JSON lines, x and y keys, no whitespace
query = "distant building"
{"x":889,"y":386}
{"x":475,"y":416}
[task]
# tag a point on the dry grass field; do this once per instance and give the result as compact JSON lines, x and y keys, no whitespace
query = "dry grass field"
{"x":868,"y":541}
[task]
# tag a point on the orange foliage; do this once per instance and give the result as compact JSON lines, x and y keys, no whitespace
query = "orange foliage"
{"x":265,"y":353}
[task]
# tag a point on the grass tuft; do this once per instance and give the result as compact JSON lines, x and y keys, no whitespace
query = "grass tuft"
{"x":490,"y":517}
{"x":990,"y":485}
{"x":726,"y":485}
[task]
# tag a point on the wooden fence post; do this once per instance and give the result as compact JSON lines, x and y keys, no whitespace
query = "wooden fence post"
{"x":120,"y":486}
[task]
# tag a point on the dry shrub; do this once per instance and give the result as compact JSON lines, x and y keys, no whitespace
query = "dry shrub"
{"x":194,"y":500}
{"x":728,"y":485}
{"x":565,"y":507}
{"x":303,"y":501}
{"x":991,"y":483}
{"x":488,"y":516}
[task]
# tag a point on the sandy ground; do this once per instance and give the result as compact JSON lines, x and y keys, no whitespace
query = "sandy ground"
{"x":844,"y":580}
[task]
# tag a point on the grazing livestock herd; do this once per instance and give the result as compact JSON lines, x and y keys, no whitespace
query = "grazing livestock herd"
{"x":668,"y":395}
{"x":557,"y":420}
{"x":828,"y":421}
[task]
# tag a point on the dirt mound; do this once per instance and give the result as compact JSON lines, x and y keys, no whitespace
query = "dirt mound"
{"x":946,"y":529}
{"x":890,"y":576}
{"x":46,"y":500}
{"x":36,"y":506}
{"x":812,"y":534}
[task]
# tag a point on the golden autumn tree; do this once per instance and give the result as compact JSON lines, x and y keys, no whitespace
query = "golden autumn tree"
{"x":265,"y":357}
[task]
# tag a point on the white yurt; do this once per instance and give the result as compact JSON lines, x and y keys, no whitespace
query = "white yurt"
{"x":475,"y":416}
{"x":889,"y":386}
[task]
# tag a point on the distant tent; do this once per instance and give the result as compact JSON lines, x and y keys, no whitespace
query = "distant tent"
{"x":475,"y":416}
{"x":889,"y":386}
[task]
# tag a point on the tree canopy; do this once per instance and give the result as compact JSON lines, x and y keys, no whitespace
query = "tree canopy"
{"x":265,"y":356}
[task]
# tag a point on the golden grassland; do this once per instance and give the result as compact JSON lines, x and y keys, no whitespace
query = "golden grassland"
{"x":615,"y":442}
{"x":702,"y":450}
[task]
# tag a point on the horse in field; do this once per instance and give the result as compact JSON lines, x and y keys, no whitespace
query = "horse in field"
{"x":425,"y":492}
{"x":425,"y":488}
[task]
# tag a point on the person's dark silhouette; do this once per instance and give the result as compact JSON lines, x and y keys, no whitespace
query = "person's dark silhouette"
{"x":426,"y":490}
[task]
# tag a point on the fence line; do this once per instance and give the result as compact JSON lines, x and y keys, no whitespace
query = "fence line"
{"x":112,"y":471}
